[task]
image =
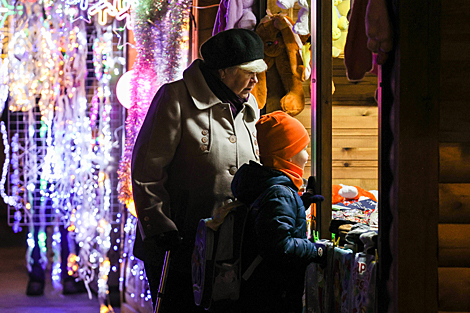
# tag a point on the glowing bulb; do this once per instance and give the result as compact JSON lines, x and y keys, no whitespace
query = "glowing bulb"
{"x":131,"y":207}
{"x":123,"y":91}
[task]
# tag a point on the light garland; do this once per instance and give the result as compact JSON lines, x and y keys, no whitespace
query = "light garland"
{"x":61,"y":162}
{"x":119,"y":9}
{"x":7,"y":9}
{"x":161,"y":32}
{"x":62,"y":158}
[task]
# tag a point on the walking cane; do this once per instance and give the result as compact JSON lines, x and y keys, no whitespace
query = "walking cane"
{"x":161,"y":287}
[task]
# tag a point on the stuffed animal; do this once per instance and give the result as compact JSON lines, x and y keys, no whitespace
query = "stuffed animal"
{"x":280,"y":87}
{"x":340,"y":26}
{"x":236,"y":14}
{"x":348,"y":194}
{"x":301,"y":26}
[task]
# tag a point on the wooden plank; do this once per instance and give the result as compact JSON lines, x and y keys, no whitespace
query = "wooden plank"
{"x":307,"y":88}
{"x":205,"y":21}
{"x":348,"y":142}
{"x":454,"y":245}
{"x":455,"y":49}
{"x":355,"y":117}
{"x":454,"y":203}
{"x":354,"y":102}
{"x":365,"y":183}
{"x":355,"y":163}
{"x":461,"y":137}
{"x":359,"y":92}
{"x":374,"y":132}
{"x":339,"y":70}
{"x":454,"y":161}
{"x":355,"y":154}
{"x":305,"y":117}
{"x":354,"y":122}
{"x":454,"y":76}
{"x":454,"y":12}
{"x":454,"y":288}
{"x":454,"y":116}
{"x":350,"y":172}
{"x":368,"y":82}
{"x":307,"y":171}
{"x":371,"y":111}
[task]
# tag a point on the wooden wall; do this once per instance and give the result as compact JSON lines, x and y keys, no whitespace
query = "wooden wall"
{"x":205,"y":12}
{"x":354,"y":130}
{"x":409,"y":161}
{"x":454,"y":158}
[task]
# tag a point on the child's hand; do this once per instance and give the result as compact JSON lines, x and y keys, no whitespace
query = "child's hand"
{"x":308,"y":199}
{"x":310,"y":195}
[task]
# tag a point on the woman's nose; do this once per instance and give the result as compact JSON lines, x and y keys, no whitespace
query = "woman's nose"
{"x":255,"y":78}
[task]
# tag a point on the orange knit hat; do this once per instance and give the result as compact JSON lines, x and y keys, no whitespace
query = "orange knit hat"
{"x":281,"y":135}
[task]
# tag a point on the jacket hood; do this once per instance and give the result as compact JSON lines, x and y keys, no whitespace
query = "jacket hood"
{"x":252,"y":179}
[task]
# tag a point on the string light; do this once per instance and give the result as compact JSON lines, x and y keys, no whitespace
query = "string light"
{"x":161,"y":32}
{"x":70,"y":169}
{"x":68,"y":173}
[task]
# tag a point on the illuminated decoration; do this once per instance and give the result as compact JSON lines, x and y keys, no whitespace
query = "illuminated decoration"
{"x":118,"y":9}
{"x":123,"y":92}
{"x":161,"y":32}
{"x":58,"y":164}
{"x":162,"y":42}
{"x":7,"y":9}
{"x":133,"y":272}
{"x":59,"y":158}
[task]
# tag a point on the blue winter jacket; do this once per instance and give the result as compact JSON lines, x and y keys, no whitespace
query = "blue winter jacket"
{"x":276,"y":230}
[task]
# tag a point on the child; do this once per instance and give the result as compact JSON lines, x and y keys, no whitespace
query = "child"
{"x":276,"y":229}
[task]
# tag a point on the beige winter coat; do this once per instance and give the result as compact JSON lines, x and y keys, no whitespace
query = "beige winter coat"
{"x":186,"y":154}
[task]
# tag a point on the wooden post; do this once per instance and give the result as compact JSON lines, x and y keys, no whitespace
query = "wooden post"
{"x":321,"y":100}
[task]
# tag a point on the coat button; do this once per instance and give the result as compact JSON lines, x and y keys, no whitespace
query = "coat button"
{"x":146,"y":218}
{"x":233,"y":170}
{"x":204,"y":139}
{"x":204,"y":148}
{"x":205,"y":132}
{"x":257,"y":152}
{"x":256,"y":142}
{"x":233,"y":139}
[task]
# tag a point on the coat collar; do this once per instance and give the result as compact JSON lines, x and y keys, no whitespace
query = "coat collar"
{"x":202,"y":96}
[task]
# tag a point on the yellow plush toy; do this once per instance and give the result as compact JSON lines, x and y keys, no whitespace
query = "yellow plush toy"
{"x":339,"y":26}
{"x":280,"y":87}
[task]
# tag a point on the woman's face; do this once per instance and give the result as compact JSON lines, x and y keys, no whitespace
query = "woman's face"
{"x":301,"y":158}
{"x":241,"y":82}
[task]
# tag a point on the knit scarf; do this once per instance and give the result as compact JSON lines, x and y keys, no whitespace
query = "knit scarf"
{"x":221,"y":91}
{"x":294,"y":172}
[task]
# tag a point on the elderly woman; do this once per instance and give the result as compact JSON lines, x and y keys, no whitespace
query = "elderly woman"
{"x":198,"y":131}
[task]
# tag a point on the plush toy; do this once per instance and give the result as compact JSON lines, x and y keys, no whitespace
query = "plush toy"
{"x":280,"y":87}
{"x":348,"y":194}
{"x":236,"y":14}
{"x":340,"y":26}
{"x":301,"y":26}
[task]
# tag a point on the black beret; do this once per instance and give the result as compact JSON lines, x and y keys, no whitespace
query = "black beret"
{"x":232,"y":47}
